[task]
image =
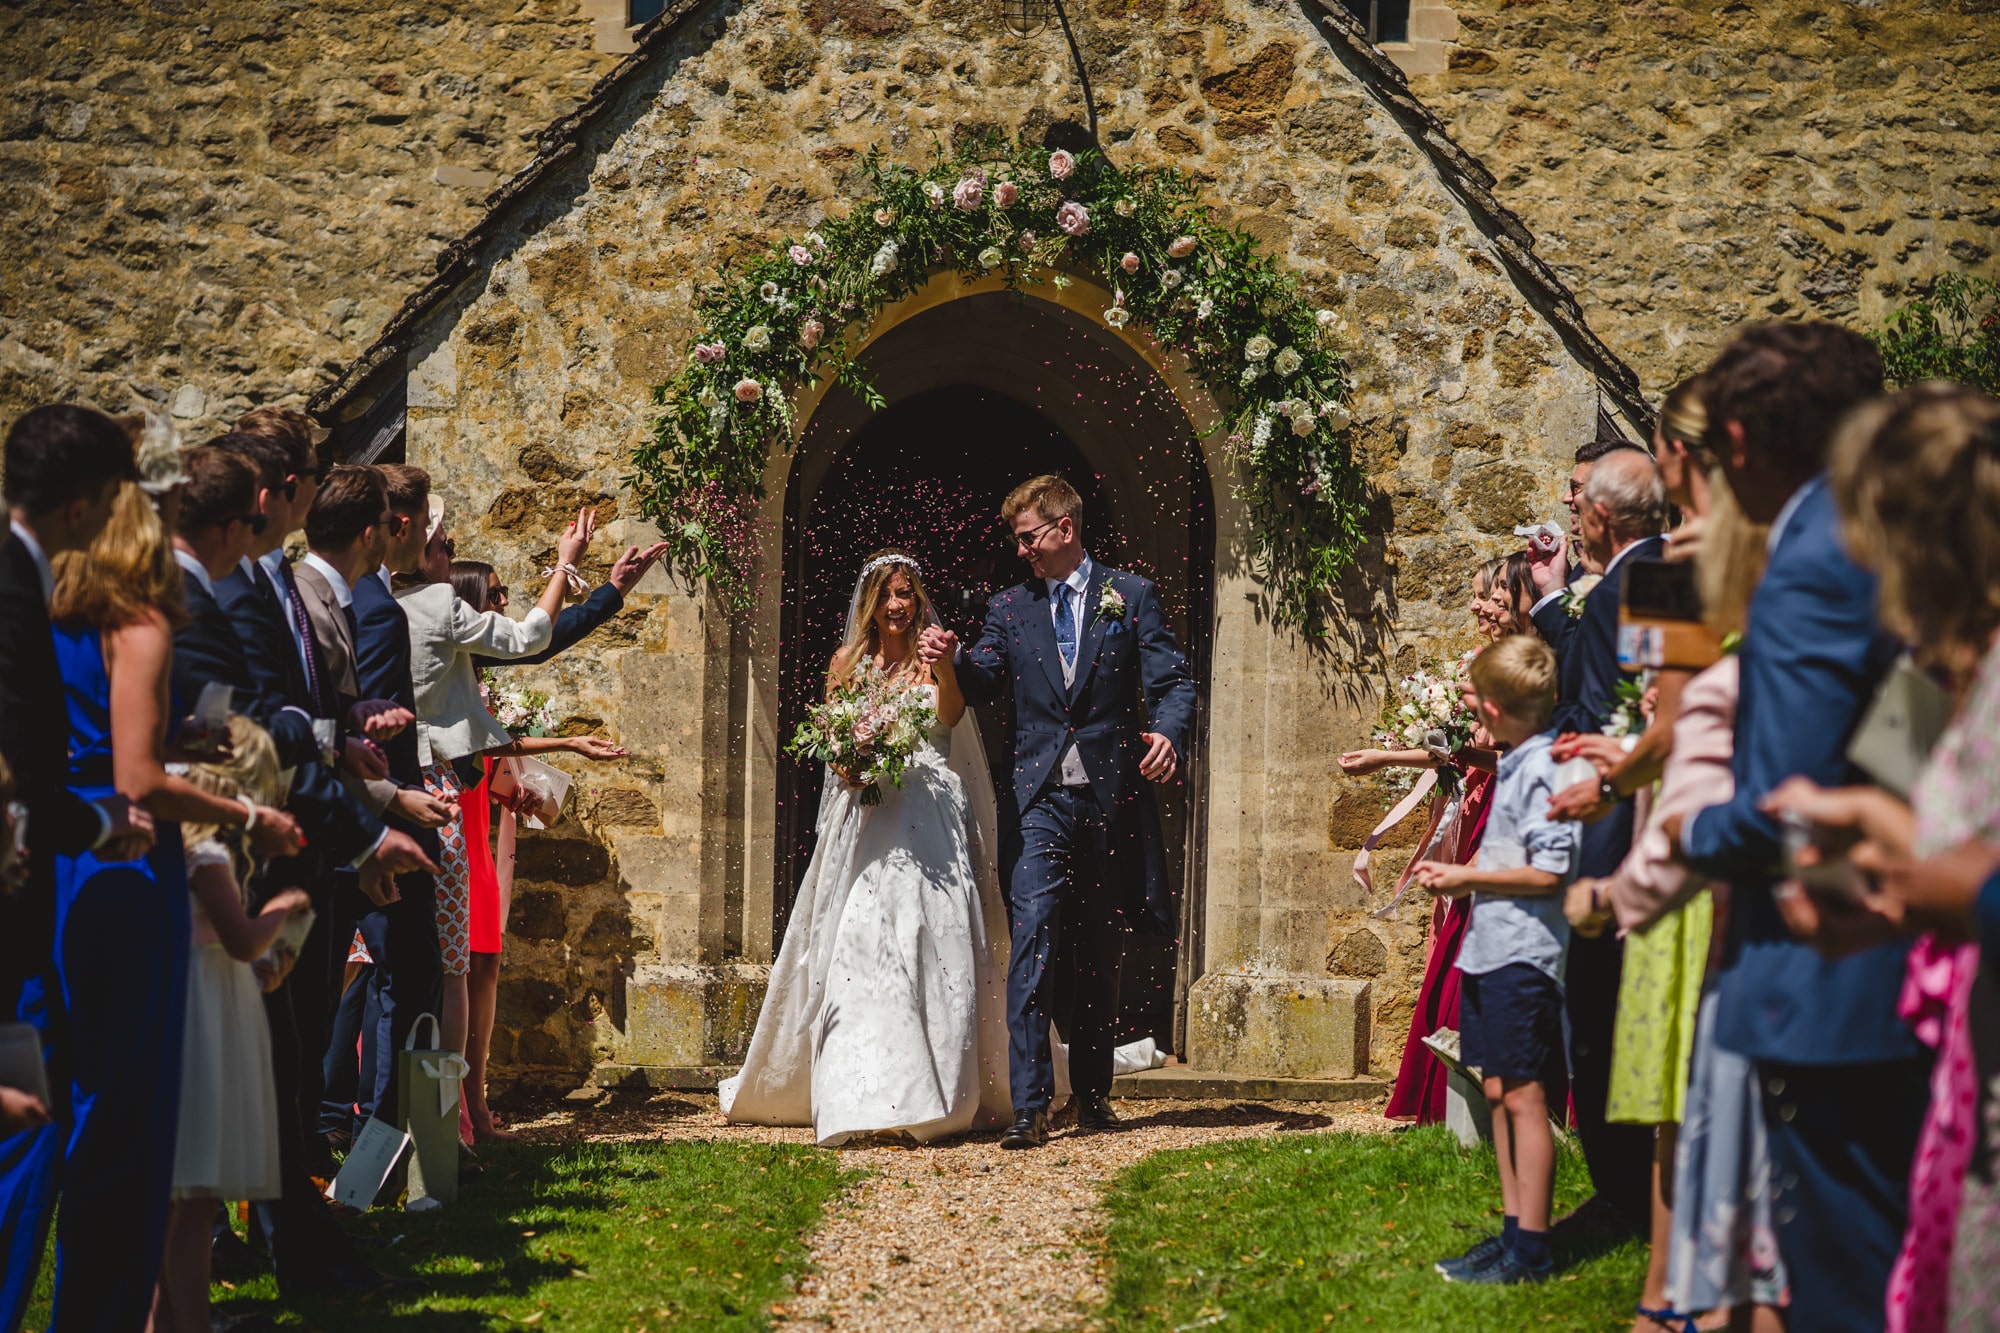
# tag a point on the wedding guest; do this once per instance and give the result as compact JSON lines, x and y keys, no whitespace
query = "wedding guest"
{"x":396,"y":917}
{"x":120,"y":976}
{"x":1844,"y":1079}
{"x":1622,"y":510}
{"x":1554,"y":571}
{"x":1917,"y":482}
{"x":228,"y":1139}
{"x":1510,"y":1008}
{"x":492,"y":880}
{"x":446,"y":636}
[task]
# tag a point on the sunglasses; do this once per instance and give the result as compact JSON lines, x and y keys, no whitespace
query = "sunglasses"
{"x":497,"y":595}
{"x":1023,"y":540}
{"x":256,"y":522}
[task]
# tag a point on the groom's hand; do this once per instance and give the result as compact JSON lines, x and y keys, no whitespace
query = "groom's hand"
{"x":1159,"y":763}
{"x":936,"y":644}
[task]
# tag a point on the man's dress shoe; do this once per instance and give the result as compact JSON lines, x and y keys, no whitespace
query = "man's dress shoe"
{"x":1095,"y":1113}
{"x":1029,"y":1130}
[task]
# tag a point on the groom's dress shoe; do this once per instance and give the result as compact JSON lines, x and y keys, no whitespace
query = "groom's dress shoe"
{"x":1029,"y":1130}
{"x":1095,"y":1113}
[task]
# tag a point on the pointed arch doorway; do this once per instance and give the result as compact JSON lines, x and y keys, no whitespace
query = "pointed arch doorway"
{"x":984,"y":392}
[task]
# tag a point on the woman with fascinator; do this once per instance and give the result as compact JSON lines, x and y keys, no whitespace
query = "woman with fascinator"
{"x":885,"y":1014}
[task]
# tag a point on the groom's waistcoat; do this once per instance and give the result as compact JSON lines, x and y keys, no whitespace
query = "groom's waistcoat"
{"x":1130,"y":675}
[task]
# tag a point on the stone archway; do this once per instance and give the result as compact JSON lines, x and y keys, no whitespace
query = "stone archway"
{"x":982,"y":392}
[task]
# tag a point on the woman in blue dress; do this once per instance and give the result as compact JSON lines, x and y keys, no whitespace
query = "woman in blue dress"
{"x":119,"y":981}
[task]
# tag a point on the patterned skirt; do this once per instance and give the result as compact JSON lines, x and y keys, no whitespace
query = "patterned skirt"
{"x":454,"y":883}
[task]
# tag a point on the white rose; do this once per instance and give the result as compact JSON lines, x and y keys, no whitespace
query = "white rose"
{"x":1170,"y":279}
{"x":758,"y":339}
{"x":1326,"y":319}
{"x":1258,"y":347}
{"x":1303,"y":423}
{"x":1117,"y":316}
{"x":1338,"y":417}
{"x":1288,"y":361}
{"x":989,"y":257}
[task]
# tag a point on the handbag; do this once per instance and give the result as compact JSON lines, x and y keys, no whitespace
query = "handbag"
{"x":428,"y":1083}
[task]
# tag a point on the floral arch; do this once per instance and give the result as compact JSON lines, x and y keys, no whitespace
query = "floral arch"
{"x":798,"y":315}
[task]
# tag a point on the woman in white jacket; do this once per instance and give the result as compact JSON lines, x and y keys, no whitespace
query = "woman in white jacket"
{"x":452,"y":722}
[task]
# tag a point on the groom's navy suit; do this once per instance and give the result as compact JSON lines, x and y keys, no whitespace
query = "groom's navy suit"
{"x":1083,"y":864}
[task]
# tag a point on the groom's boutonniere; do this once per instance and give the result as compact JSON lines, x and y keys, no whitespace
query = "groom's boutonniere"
{"x":1111,"y":604}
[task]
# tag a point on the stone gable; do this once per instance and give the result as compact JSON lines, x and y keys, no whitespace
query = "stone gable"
{"x":529,"y":364}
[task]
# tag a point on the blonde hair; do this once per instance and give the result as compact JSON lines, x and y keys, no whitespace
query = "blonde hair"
{"x":1730,"y":562}
{"x":128,"y":570}
{"x":1917,"y":479}
{"x":1517,"y":675}
{"x":1684,"y":416}
{"x":251,"y":770}
{"x":863,"y":640}
{"x":1050,"y":496}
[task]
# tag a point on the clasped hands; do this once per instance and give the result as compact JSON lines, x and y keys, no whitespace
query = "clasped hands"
{"x":938,"y":645}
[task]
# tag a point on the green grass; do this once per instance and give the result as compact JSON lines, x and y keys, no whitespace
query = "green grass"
{"x":597,"y":1238}
{"x":1337,"y":1231}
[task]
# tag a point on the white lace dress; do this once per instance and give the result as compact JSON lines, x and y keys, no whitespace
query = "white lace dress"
{"x":886,"y":1006}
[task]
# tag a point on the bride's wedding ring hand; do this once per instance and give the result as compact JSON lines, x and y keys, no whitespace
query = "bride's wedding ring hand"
{"x":1160,"y":761}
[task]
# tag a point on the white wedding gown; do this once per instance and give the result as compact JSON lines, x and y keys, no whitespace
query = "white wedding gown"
{"x":886,"y":1008}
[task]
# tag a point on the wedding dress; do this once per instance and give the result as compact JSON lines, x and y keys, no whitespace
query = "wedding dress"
{"x":886,"y":1008}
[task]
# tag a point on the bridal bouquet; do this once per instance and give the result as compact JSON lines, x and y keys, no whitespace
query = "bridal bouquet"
{"x":523,"y":712}
{"x":867,"y":729}
{"x":1426,"y":710}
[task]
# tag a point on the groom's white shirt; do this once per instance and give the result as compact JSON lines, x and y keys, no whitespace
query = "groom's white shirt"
{"x":1073,"y":774}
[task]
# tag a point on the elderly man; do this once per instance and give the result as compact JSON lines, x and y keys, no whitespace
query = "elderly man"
{"x":1553,"y":571}
{"x":1620,"y":515}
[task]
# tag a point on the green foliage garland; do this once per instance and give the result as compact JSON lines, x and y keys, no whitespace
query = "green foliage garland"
{"x":1027,"y":215}
{"x":1952,"y":334}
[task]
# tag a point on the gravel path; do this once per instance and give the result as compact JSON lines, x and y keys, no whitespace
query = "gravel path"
{"x":962,"y":1235}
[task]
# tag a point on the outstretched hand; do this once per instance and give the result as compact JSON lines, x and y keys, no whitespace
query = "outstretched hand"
{"x":632,"y":566}
{"x":1160,"y":761}
{"x":936,"y":644}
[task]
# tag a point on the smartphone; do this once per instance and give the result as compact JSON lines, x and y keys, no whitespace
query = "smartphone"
{"x":1828,"y":870}
{"x":1659,"y":618}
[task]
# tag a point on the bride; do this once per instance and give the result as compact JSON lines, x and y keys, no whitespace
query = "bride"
{"x":885,"y":1011}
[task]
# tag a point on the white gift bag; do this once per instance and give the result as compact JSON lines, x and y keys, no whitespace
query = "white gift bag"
{"x":427,"y":1111}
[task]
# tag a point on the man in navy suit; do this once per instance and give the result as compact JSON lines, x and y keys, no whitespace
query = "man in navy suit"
{"x":1087,"y":650}
{"x":1845,"y":1081}
{"x":1553,"y":572}
{"x":1620,"y":513}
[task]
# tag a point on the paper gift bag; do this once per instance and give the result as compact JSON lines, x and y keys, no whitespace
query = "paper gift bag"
{"x":532,"y":789}
{"x":427,"y":1110}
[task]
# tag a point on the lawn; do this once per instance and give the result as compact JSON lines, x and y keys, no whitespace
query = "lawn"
{"x":598,"y":1238}
{"x":1337,"y":1231}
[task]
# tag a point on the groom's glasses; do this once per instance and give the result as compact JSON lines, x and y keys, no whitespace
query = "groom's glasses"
{"x":1024,"y":540}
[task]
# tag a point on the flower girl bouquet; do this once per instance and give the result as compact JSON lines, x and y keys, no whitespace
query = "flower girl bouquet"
{"x":523,"y":712}
{"x":1426,"y":710}
{"x":867,"y":729}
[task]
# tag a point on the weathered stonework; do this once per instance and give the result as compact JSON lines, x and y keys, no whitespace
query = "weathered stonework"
{"x":1690,"y":166}
{"x":215,"y":206}
{"x":528,"y":376}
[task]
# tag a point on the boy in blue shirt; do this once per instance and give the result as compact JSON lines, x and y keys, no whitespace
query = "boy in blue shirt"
{"x":1511,"y":961}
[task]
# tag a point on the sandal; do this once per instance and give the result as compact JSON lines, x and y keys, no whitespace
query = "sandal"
{"x":1669,"y":1318}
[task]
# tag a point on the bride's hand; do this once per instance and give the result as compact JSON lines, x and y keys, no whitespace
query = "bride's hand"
{"x":936,"y":644}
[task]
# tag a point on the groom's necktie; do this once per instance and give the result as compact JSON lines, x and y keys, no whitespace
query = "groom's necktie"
{"x":1065,"y":625}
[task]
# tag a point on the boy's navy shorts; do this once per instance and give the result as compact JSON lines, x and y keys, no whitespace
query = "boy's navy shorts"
{"x":1510,"y":1022}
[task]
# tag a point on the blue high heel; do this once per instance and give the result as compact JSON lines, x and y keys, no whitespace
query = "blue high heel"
{"x":1668,"y":1317}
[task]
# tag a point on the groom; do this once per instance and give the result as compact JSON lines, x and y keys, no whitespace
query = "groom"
{"x":1086,"y":648}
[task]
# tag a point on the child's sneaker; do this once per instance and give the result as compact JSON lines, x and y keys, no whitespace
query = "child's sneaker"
{"x":1479,"y":1256}
{"x":1505,"y":1271}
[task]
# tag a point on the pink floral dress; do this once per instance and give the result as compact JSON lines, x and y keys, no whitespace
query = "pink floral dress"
{"x":1937,"y":1283}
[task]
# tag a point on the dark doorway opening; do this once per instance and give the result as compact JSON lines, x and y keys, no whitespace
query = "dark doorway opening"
{"x":928,"y":475}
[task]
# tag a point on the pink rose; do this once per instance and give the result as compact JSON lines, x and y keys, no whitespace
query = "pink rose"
{"x":1027,"y":242}
{"x":1130,"y":263}
{"x":1005,"y":193}
{"x":1181,"y":247}
{"x":967,"y":193}
{"x":883,"y":217}
{"x":810,"y":333}
{"x":1061,"y":163}
{"x":1073,"y":218}
{"x":709,"y":353}
{"x":800,"y":255}
{"x":748,"y":391}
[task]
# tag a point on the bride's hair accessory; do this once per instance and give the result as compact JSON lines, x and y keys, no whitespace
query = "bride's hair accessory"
{"x":883,"y":561}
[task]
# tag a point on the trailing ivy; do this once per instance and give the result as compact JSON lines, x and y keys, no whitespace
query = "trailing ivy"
{"x":1951,"y":334}
{"x":796,"y":314}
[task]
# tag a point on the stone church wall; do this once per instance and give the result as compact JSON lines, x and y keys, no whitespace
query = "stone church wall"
{"x":1687,"y":167}
{"x":529,"y":386}
{"x":216,"y":205}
